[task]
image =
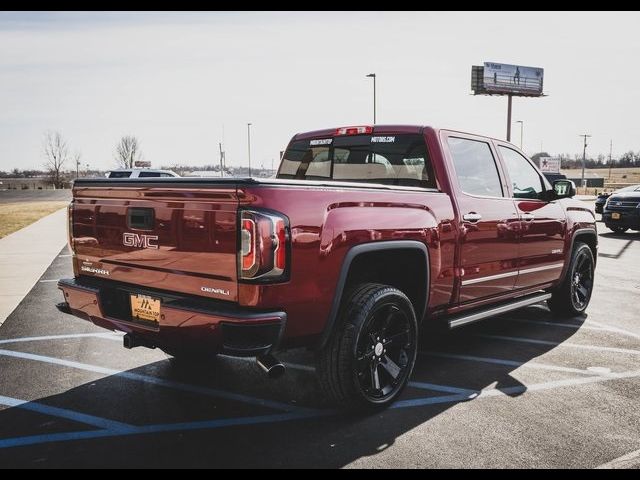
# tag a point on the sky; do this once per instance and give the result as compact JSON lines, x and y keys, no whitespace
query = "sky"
{"x":183,"y":82}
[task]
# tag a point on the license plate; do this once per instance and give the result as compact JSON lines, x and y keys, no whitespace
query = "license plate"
{"x":145,"y":308}
{"x":615,"y":216}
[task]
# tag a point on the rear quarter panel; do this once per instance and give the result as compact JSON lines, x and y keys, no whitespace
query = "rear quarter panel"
{"x":326,"y":223}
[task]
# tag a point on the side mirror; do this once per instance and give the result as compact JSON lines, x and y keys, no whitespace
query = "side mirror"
{"x":564,"y":189}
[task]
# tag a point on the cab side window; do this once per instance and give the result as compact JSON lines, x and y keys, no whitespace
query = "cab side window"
{"x":525,"y":180}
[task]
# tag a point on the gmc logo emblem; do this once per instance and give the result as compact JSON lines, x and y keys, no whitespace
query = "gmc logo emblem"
{"x":139,"y":240}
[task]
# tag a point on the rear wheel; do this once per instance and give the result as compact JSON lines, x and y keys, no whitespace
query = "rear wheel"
{"x":617,"y":229}
{"x":369,"y":358}
{"x":572,"y":296}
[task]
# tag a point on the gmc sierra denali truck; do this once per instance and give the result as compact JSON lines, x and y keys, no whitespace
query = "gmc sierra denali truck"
{"x":365,"y":234}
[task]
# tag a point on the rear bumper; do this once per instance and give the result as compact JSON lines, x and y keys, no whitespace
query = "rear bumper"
{"x":186,"y":324}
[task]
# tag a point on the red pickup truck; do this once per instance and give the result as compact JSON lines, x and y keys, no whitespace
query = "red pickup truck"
{"x":365,"y":234}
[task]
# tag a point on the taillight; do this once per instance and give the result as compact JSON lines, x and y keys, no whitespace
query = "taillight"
{"x":70,"y":227}
{"x":264,"y":246}
{"x":354,"y":130}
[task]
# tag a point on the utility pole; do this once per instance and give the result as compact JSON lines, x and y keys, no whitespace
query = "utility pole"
{"x":584,"y":156}
{"x":509,"y":102}
{"x":610,"y":150}
{"x":521,"y":131}
{"x":249,"y":145}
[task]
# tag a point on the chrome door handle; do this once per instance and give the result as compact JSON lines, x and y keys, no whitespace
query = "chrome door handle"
{"x":472,"y":217}
{"x":527,"y":216}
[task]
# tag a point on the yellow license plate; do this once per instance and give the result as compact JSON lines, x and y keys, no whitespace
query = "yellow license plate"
{"x":145,"y":308}
{"x":615,"y":216}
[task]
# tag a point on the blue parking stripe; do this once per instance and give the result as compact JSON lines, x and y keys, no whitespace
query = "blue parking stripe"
{"x":158,"y":381}
{"x":443,"y":388}
{"x":161,"y":428}
{"x":66,"y":414}
{"x":55,"y":437}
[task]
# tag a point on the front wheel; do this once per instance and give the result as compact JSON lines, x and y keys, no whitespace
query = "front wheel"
{"x":572,"y":296}
{"x":369,"y":358}
{"x":617,"y":229}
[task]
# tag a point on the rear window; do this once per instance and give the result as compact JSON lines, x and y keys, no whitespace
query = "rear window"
{"x":149,"y":174}
{"x":387,"y":159}
{"x":119,"y":174}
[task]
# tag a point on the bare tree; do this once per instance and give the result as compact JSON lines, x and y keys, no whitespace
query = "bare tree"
{"x":56,"y":152}
{"x":128,"y":151}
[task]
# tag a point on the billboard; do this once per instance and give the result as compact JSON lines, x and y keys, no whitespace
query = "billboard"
{"x":549,"y":165}
{"x":142,"y":164}
{"x":506,"y":79}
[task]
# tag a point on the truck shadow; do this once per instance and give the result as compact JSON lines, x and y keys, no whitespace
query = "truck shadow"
{"x":191,"y":398}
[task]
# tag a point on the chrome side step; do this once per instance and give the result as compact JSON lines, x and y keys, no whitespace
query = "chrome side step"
{"x":465,"y":318}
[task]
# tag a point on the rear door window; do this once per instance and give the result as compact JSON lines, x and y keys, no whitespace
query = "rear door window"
{"x":475,"y":167}
{"x":388,"y":159}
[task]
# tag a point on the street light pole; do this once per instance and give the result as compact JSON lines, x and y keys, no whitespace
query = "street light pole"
{"x":373,"y":75}
{"x":584,"y":156}
{"x":521,"y":129}
{"x":249,"y":145}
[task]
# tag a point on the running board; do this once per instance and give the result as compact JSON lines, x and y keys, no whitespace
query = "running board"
{"x":465,"y":318}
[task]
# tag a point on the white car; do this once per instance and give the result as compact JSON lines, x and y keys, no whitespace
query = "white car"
{"x":140,"y":173}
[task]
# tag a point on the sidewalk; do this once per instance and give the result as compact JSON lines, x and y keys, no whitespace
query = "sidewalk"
{"x":25,"y":255}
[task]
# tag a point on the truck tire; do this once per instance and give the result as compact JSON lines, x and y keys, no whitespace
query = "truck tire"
{"x":370,"y":355}
{"x":572,"y":296}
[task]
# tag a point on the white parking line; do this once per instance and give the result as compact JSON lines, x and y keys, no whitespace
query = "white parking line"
{"x":630,"y":460}
{"x":137,"y":377}
{"x":611,"y":328}
{"x":513,"y":363}
{"x":107,"y":336}
{"x":556,"y":324}
{"x":558,"y":344}
{"x":519,"y":389}
{"x":49,"y":280}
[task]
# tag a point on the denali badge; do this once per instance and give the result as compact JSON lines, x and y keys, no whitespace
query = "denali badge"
{"x":97,"y":271}
{"x":139,"y":240}
{"x":219,"y":291}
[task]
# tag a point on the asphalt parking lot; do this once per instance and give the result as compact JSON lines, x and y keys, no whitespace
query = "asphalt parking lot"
{"x":521,"y":390}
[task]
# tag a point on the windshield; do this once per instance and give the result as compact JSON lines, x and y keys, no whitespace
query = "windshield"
{"x":387,"y":159}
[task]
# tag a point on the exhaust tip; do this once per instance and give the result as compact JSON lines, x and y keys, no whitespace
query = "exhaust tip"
{"x":271,"y":366}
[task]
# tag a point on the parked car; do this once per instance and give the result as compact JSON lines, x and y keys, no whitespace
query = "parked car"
{"x":366,"y":235}
{"x":622,"y":210}
{"x":140,"y":173}
{"x":602,"y":198}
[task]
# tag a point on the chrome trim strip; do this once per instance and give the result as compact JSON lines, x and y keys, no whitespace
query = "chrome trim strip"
{"x":463,"y":320}
{"x":489,"y":278}
{"x":540,"y":269}
{"x":511,"y":274}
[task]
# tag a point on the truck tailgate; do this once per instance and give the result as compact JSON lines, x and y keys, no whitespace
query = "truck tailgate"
{"x":174,"y":236}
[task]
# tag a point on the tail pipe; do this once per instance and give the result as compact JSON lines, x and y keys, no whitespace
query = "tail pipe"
{"x":271,"y":365}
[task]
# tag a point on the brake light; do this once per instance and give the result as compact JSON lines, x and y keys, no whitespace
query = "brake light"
{"x":264,"y":246}
{"x":354,"y":130}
